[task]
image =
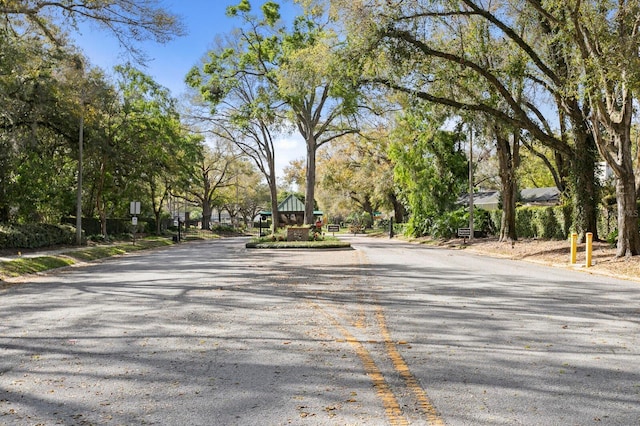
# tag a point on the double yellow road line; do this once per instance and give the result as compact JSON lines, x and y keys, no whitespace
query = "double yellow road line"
{"x":384,"y":391}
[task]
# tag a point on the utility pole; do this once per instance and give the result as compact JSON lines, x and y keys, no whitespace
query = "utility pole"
{"x":80,"y":66}
{"x":471,"y":183}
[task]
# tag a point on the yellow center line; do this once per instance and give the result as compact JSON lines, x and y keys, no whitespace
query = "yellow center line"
{"x":401,"y":366}
{"x":403,"y":369}
{"x":384,"y":392}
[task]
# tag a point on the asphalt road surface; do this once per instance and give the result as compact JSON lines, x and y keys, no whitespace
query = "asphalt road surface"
{"x":388,"y":333}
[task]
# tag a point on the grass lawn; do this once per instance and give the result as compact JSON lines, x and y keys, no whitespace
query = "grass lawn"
{"x":31,"y":265}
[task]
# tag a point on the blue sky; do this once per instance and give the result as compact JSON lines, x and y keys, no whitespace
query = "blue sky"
{"x":169,"y":63}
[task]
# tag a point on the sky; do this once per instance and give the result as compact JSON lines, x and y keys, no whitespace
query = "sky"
{"x":170,"y":62}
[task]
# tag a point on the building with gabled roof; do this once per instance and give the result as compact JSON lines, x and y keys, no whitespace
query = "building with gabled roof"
{"x":490,"y":200}
{"x":291,"y":212}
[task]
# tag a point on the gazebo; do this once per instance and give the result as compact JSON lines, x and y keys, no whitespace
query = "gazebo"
{"x":291,"y":212}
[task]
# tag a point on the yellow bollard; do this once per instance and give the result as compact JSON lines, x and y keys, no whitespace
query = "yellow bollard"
{"x":589,"y":249}
{"x":574,"y":247}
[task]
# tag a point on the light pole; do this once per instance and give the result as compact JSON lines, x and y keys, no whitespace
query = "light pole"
{"x":80,"y":66}
{"x":470,"y":183}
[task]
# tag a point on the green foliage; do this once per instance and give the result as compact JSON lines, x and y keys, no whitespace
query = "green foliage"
{"x":243,"y":6}
{"x":277,"y":243}
{"x":483,"y":221}
{"x":524,"y":222}
{"x":430,"y":170}
{"x":446,"y":225}
{"x":30,"y":236}
{"x":360,"y":220}
{"x":547,"y":222}
{"x":222,"y":228}
{"x":496,"y":219}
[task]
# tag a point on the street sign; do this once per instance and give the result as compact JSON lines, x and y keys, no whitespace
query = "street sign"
{"x":464,"y":232}
{"x":134,"y":220}
{"x":134,"y":207}
{"x":333,"y":228}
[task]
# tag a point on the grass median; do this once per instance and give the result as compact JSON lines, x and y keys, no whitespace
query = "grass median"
{"x":269,"y":243}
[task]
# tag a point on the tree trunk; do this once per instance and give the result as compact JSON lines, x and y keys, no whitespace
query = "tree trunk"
{"x":508,"y":163}
{"x":156,"y":214}
{"x":628,"y":236}
{"x":156,"y":206}
{"x":615,"y":148}
{"x":206,"y":214}
{"x":275,"y":214}
{"x":398,"y":208}
{"x":585,"y":189}
{"x":626,"y":194}
{"x":311,"y":181}
{"x":100,"y":204}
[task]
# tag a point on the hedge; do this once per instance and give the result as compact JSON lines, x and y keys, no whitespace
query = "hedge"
{"x":93,"y":226}
{"x":547,"y":222}
{"x":36,"y":235}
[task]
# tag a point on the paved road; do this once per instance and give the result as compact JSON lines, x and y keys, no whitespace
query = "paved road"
{"x":387,"y":334}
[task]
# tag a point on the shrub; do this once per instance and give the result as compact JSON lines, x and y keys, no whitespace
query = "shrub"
{"x":446,"y":225}
{"x":548,"y":222}
{"x":37,"y":235}
{"x":483,"y":221}
{"x":524,"y":223}
{"x":224,"y":228}
{"x":316,"y":236}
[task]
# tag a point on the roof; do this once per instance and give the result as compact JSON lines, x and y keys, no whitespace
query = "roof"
{"x":481,"y":198}
{"x":291,"y":204}
{"x":491,"y":199}
{"x":540,"y":195}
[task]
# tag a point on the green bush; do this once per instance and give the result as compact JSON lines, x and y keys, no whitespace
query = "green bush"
{"x":525,"y":227}
{"x":446,"y":225}
{"x":548,"y":222}
{"x":483,"y":221}
{"x":37,"y":235}
{"x":224,"y":228}
{"x":496,"y":220}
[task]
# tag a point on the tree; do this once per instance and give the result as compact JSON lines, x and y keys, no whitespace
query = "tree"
{"x":508,"y":149}
{"x":128,"y":21}
{"x":430,"y":168}
{"x":319,"y":87}
{"x":300,"y":69}
{"x":245,"y":114}
{"x":358,"y":167}
{"x":607,"y":49}
{"x":203,"y":183}
{"x":158,"y":144}
{"x":37,"y":126}
{"x":437,"y":51}
{"x":247,"y":194}
{"x":295,"y":174}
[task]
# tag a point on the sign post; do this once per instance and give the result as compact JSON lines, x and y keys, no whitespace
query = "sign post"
{"x":134,"y":210}
{"x":464,"y":233}
{"x":333,"y":229}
